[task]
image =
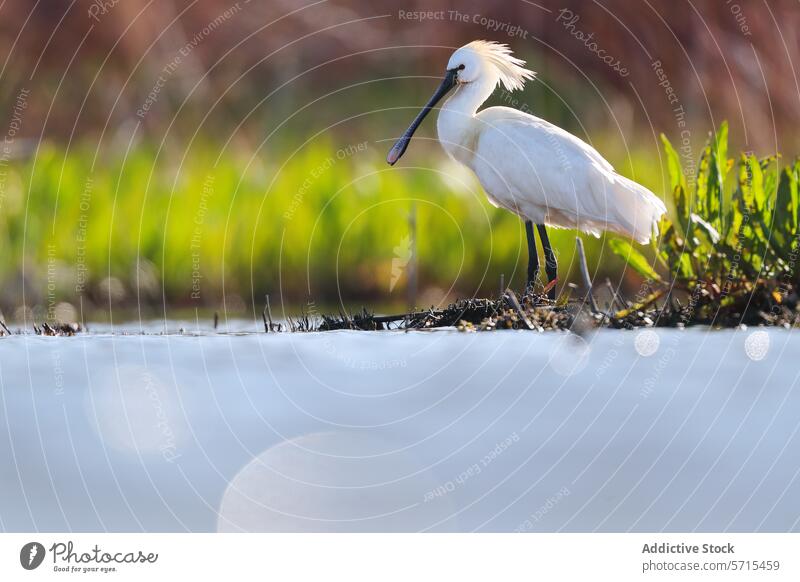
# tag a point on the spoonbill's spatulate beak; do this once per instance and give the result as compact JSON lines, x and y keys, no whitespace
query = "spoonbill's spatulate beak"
{"x":399,"y":148}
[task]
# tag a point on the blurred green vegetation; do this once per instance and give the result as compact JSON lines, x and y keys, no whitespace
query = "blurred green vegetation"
{"x":286,"y":222}
{"x":329,"y":222}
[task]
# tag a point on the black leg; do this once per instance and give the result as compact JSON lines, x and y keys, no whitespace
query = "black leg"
{"x":550,"y":262}
{"x":533,"y":258}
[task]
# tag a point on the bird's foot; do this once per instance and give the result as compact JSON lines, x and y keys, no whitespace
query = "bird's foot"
{"x":534,"y":295}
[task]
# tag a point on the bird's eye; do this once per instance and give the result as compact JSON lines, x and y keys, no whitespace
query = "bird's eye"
{"x":460,"y":67}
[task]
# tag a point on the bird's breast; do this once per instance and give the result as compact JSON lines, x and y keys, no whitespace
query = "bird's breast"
{"x":456,"y":132}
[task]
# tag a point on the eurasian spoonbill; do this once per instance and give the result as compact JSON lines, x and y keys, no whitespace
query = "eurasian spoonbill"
{"x":527,"y":165}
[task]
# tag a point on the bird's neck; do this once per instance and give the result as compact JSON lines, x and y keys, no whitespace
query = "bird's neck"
{"x":469,"y":96}
{"x":456,"y":124}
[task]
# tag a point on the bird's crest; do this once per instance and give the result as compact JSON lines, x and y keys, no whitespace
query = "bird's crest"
{"x":509,"y":68}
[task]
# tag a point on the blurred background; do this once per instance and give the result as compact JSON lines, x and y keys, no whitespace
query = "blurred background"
{"x":182,"y":155}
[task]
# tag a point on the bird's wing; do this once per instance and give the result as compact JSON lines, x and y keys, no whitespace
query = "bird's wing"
{"x":536,"y":168}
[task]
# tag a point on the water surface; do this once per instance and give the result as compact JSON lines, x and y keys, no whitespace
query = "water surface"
{"x":393,"y":431}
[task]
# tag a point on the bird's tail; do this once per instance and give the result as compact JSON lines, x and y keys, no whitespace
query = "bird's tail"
{"x":637,"y":209}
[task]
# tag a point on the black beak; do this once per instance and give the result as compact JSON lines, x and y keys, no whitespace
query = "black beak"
{"x":399,"y":148}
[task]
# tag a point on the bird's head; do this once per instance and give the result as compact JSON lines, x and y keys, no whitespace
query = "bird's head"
{"x":484,"y":62}
{"x":491,"y":63}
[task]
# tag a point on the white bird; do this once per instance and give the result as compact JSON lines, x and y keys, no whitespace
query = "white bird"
{"x":527,"y":165}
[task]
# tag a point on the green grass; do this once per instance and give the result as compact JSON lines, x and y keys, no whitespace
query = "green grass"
{"x":298,"y":225}
{"x":732,"y":239}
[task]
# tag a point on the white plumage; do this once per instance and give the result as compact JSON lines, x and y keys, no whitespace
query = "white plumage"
{"x":530,"y":166}
{"x":527,"y":165}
